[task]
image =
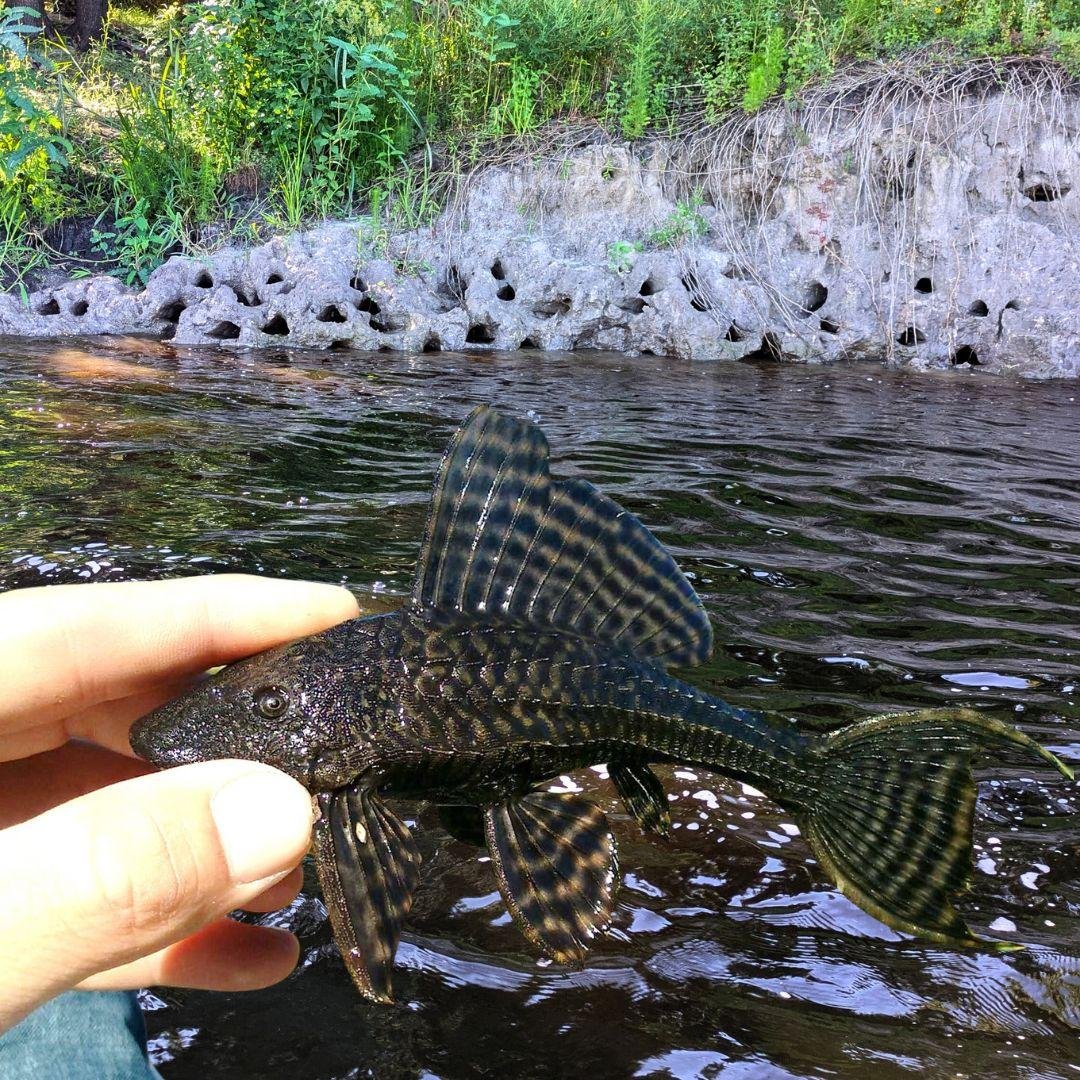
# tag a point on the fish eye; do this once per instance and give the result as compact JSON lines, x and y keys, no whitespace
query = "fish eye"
{"x":271,"y":702}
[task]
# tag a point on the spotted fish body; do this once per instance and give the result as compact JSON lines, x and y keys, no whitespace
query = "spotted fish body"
{"x":537,"y":639}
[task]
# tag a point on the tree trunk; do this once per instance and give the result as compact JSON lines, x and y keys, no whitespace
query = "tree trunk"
{"x":37,"y":5}
{"x":89,"y":20}
{"x":41,"y":17}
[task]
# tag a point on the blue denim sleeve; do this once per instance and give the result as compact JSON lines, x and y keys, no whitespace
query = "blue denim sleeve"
{"x":81,"y":1035}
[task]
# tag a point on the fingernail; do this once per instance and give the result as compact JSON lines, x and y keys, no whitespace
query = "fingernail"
{"x":264,"y":823}
{"x":319,"y":594}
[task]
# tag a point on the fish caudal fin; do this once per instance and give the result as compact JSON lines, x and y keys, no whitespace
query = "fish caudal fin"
{"x":891,"y":823}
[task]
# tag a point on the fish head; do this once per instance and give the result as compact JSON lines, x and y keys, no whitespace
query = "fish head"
{"x":287,"y":707}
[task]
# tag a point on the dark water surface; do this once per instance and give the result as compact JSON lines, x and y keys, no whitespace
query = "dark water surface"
{"x":863,"y":540}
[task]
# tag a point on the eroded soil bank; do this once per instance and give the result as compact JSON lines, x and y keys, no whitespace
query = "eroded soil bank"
{"x":924,"y":218}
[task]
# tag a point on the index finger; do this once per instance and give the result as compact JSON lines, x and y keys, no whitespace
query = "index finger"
{"x":68,"y":647}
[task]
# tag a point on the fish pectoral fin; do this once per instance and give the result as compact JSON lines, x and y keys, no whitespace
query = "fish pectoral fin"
{"x":557,"y":869}
{"x":368,"y":867}
{"x":504,"y":538}
{"x":643,"y":794}
{"x":464,"y":823}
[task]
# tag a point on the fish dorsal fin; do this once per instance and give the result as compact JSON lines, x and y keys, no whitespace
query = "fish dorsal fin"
{"x":643,"y":794}
{"x":555,"y":861}
{"x":503,"y":538}
{"x":368,"y":867}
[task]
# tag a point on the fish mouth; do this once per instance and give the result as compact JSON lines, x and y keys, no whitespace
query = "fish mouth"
{"x":156,"y":738}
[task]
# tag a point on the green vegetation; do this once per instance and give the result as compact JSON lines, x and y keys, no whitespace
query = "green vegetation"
{"x":258,"y":114}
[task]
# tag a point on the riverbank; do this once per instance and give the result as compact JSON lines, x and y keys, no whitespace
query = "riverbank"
{"x":921,"y":215}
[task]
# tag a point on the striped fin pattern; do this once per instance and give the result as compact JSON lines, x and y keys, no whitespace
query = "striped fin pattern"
{"x":503,"y":538}
{"x":368,"y":867}
{"x":643,"y":794}
{"x":556,"y":865}
{"x":892,"y":821}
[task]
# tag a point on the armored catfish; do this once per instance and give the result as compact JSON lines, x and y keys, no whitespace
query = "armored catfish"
{"x":537,"y":639}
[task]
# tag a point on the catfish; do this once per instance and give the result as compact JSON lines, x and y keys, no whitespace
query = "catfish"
{"x":537,"y":639}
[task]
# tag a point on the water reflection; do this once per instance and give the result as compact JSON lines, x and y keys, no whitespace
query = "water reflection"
{"x":863,"y":540}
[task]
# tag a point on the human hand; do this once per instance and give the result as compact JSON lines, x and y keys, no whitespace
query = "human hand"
{"x":116,"y":876}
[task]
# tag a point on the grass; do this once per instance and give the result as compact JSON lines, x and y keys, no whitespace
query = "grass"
{"x":263,"y":113}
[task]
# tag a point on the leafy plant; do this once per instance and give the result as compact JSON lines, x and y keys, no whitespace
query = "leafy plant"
{"x":621,"y":255}
{"x":640,"y":81}
{"x":18,"y":255}
{"x":32,"y":146}
{"x":766,"y":69}
{"x":519,"y":111}
{"x":684,"y":223}
{"x":139,"y":242}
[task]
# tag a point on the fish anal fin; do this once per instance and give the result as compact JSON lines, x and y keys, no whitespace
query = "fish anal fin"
{"x":643,"y":794}
{"x":368,"y":867}
{"x":556,"y":866}
{"x":503,"y":538}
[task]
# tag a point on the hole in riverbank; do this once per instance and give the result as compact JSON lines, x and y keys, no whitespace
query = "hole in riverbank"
{"x":506,"y":293}
{"x":648,"y":287}
{"x":528,"y":343}
{"x":1012,"y":305}
{"x":171,"y":312}
{"x":738,"y":272}
{"x":829,"y":327}
{"x":331,"y":313}
{"x":248,"y":301}
{"x":964,"y":354}
{"x":277,"y":326}
{"x":48,"y":307}
{"x":549,"y":308}
{"x":911,"y":336}
{"x":368,"y":305}
{"x":339,"y":344}
{"x":498,"y":272}
{"x":357,"y":282}
{"x":204,"y":280}
{"x":1045,"y":192}
{"x":979,"y":308}
{"x":634,"y":304}
{"x":769,"y":349}
{"x":224,"y":331}
{"x":386,"y":324}
{"x":924,"y":285}
{"x":735,"y":333}
{"x":480,"y":334}
{"x":454,"y":285}
{"x":79,"y":308}
{"x":814,"y":298}
{"x":432,"y":343}
{"x":698,"y":300}
{"x":274,"y":279}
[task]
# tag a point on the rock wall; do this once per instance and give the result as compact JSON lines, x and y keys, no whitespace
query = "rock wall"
{"x":924,"y":225}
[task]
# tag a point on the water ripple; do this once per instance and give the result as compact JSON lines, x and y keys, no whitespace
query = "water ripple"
{"x":864,"y":541}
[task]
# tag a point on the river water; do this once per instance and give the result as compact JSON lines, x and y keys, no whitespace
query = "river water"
{"x":864,"y":541}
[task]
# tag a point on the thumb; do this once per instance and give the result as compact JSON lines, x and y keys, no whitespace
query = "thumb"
{"x":131,"y":868}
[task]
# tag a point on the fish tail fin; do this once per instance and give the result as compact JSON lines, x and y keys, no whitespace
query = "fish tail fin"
{"x":890,"y":820}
